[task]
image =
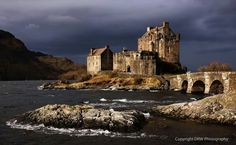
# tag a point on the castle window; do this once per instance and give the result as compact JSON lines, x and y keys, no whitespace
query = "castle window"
{"x":169,"y":50}
{"x":152,"y":46}
{"x":128,"y":69}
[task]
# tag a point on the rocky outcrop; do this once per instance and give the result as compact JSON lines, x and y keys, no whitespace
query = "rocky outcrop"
{"x":85,"y":117}
{"x":60,"y":84}
{"x":217,"y":109}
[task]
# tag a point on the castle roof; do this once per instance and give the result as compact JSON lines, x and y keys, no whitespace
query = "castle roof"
{"x":97,"y":51}
{"x":158,"y":30}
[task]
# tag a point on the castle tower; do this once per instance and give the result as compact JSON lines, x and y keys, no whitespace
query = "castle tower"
{"x":162,"y":40}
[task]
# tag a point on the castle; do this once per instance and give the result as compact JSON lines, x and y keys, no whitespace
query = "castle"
{"x":158,"y":53}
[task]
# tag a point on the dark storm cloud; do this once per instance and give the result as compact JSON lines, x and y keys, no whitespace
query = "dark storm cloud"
{"x":220,"y":50}
{"x":70,"y":27}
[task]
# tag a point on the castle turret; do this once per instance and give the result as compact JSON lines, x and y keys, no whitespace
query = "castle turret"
{"x":166,"y":24}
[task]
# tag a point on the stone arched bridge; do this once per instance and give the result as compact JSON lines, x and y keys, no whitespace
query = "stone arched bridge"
{"x":204,"y":82}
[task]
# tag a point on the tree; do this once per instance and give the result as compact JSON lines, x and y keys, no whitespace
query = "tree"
{"x":215,"y":66}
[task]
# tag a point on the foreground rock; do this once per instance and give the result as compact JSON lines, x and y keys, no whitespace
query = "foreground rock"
{"x":217,"y":109}
{"x":85,"y":117}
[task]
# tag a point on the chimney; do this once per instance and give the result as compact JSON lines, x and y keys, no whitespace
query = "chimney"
{"x":107,"y":46}
{"x":165,"y":24}
{"x":149,"y":29}
{"x":177,"y":36}
{"x":91,"y":51}
{"x":124,"y":49}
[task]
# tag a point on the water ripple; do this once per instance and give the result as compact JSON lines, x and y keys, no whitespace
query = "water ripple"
{"x":76,"y":132}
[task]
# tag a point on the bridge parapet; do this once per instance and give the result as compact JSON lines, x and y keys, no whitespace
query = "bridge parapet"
{"x":210,"y":80}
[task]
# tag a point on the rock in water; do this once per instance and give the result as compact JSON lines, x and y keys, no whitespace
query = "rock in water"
{"x":85,"y":116}
{"x":218,"y":109}
{"x":55,"y":85}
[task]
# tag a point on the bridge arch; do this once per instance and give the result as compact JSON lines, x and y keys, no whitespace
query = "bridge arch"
{"x":184,"y":86}
{"x":198,"y":87}
{"x":216,"y":87}
{"x":223,"y":81}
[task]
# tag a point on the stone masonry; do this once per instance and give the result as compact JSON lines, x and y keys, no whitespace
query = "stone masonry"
{"x":161,"y":40}
{"x":135,"y":62}
{"x":99,"y":59}
{"x":204,"y":82}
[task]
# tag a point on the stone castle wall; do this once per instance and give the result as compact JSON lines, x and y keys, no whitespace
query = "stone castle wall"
{"x":107,"y":60}
{"x":93,"y":64}
{"x":135,"y":63}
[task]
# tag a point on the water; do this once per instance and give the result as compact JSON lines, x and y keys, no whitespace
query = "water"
{"x":19,"y":97}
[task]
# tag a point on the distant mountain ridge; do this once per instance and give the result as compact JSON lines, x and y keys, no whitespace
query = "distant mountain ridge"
{"x":19,"y":63}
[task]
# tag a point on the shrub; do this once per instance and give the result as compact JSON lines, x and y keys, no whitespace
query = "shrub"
{"x":215,"y":66}
{"x":85,"y":77}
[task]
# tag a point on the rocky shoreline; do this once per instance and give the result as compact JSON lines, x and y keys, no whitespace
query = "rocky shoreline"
{"x":220,"y":109}
{"x":62,"y":85}
{"x":85,"y":117}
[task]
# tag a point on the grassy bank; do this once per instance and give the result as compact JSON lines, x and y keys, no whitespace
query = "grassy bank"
{"x":112,"y":80}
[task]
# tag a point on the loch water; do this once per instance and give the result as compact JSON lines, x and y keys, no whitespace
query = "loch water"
{"x":17,"y":97}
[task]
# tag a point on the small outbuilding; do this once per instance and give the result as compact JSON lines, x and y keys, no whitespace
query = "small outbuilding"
{"x":99,"y":59}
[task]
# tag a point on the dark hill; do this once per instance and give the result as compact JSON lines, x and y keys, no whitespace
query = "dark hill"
{"x":19,"y":63}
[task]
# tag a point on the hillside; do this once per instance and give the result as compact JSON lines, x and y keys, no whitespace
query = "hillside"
{"x":19,"y":63}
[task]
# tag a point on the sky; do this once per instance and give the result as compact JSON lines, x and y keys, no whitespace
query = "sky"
{"x":69,"y":28}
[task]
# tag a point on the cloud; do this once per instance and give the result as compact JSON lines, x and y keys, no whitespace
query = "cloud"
{"x":62,"y":19}
{"x":3,"y":21}
{"x":70,"y":27}
{"x":221,"y":50}
{"x":31,"y":26}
